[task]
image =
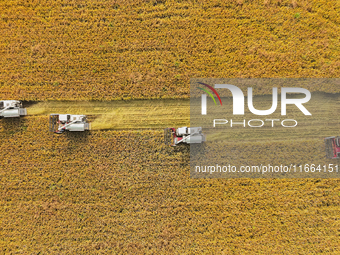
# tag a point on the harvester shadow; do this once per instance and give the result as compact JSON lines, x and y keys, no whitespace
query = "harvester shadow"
{"x":11,"y":126}
{"x":28,"y":104}
{"x":76,"y":140}
{"x":81,"y":137}
{"x":197,"y":152}
{"x":182,"y":148}
{"x":72,"y":142}
{"x":186,"y":150}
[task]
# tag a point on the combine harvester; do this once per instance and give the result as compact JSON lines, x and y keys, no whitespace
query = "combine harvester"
{"x":11,"y":108}
{"x":59,"y":123}
{"x":332,"y":145}
{"x":184,"y":135}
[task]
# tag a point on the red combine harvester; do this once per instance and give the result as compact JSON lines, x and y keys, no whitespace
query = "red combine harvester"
{"x":186,"y":135}
{"x":332,"y":145}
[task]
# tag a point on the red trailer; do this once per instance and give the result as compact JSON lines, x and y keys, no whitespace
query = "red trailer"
{"x":332,"y":145}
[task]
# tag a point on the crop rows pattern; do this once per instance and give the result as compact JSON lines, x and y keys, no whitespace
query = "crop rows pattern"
{"x":112,"y":50}
{"x":125,"y":192}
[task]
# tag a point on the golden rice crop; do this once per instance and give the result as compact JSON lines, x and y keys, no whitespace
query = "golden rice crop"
{"x":126,"y":192}
{"x":111,"y":50}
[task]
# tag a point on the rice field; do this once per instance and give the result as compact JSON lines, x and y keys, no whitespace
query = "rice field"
{"x":120,"y":50}
{"x":118,"y":189}
{"x":124,"y":192}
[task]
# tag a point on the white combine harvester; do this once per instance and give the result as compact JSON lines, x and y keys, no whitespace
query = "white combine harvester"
{"x":67,"y":122}
{"x":11,"y":108}
{"x":185,"y":135}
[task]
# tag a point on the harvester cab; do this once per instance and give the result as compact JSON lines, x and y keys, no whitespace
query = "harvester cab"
{"x":58,"y":123}
{"x":11,"y":108}
{"x":186,"y":135}
{"x":332,"y":145}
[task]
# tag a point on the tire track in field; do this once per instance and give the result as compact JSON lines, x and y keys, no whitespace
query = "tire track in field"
{"x":118,"y":115}
{"x":159,"y":114}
